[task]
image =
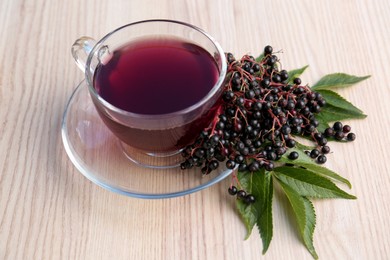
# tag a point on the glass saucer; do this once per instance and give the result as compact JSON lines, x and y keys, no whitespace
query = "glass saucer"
{"x":98,"y":155}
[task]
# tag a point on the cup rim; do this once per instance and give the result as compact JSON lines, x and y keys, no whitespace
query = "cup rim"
{"x":186,"y":110}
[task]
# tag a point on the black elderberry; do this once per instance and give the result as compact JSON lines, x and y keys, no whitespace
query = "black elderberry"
{"x":277,"y":111}
{"x":252,"y":150}
{"x":329,"y":132}
{"x":271,"y":155}
{"x":290,"y":105}
{"x":200,"y":153}
{"x":268,"y":148}
{"x":314,"y":122}
{"x":239,"y":159}
{"x":290,"y":143}
{"x":240,"y":101}
{"x":213,"y":165}
{"x":253,"y":84}
{"x":311,"y":96}
{"x":314,"y":153}
{"x":317,"y":136}
{"x":269,"y":166}
{"x":300,"y":104}
{"x":315,"y":109}
{"x":338,"y":126}
{"x":268,"y":50}
{"x":283,"y":119}
{"x":246,"y":67}
{"x":322,"y":141}
{"x":256,"y":67}
{"x":351,"y":137}
{"x":232,"y":190}
{"x":297,"y":81}
{"x":257,"y":115}
{"x":245,"y":151}
{"x":250,"y":94}
{"x":184,"y":165}
{"x":318,"y":96}
{"x":236,"y":81}
{"x":293,"y":155}
{"x":267,"y":105}
{"x":280,"y":151}
{"x":214,"y":140}
{"x":299,"y":91}
{"x":339,"y":135}
{"x":205,"y":170}
{"x":230,"y":111}
{"x":277,"y":144}
{"x":254,"y":166}
{"x":325,"y":149}
{"x":286,"y":129}
{"x":257,"y":143}
{"x":220,"y":157}
{"x":305,"y":111}
{"x":228,"y":95}
{"x":282,"y":102}
{"x":220,"y":125}
{"x":296,"y":130}
{"x":321,"y":159}
{"x":249,"y":198}
{"x":346,"y":129}
{"x":287,"y":87}
{"x":277,"y":78}
{"x":241,"y":194}
{"x":321,"y":102}
{"x":243,"y":167}
{"x":284,"y":75}
{"x":271,"y":60}
{"x":265,"y":82}
{"x":310,"y":128}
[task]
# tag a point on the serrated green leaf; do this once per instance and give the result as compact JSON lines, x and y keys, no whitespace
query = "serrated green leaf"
{"x":248,"y":213}
{"x":305,"y":216}
{"x":337,"y":80}
{"x":260,"y":57}
{"x":331,"y":113}
{"x":259,"y":184}
{"x":338,"y":108}
{"x":334,"y":99}
{"x":308,"y":163}
{"x":292,"y":74}
{"x":264,"y":221}
{"x":309,"y":184}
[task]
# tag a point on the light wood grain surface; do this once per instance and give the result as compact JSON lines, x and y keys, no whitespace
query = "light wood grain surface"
{"x":48,"y":210}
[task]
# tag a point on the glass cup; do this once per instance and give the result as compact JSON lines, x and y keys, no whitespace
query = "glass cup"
{"x":152,"y":140}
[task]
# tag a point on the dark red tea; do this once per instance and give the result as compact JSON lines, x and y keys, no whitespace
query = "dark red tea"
{"x":157,"y":76}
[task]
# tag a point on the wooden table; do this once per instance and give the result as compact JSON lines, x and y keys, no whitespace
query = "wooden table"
{"x":48,"y":210}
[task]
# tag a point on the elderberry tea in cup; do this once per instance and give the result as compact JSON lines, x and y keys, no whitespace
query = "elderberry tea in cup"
{"x":156,"y":84}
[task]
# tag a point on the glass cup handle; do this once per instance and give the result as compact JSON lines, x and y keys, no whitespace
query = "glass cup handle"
{"x":81,"y":49}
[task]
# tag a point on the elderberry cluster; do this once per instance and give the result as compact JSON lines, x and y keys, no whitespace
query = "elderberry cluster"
{"x":262,"y":109}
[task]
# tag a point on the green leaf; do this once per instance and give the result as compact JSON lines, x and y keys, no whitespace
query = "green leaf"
{"x":264,"y":220}
{"x":308,"y":163}
{"x":305,"y":216}
{"x":309,"y":184}
{"x":259,"y":184}
{"x":337,"y":80}
{"x":338,"y":108}
{"x":248,"y":213}
{"x":292,"y":74}
{"x":260,"y":57}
